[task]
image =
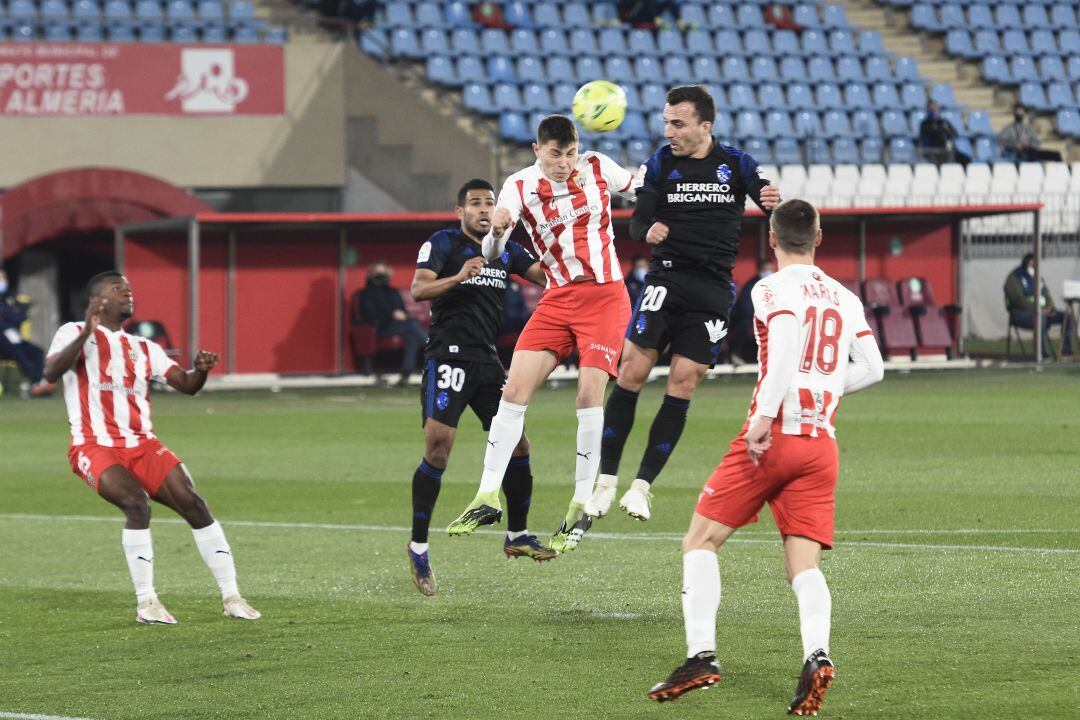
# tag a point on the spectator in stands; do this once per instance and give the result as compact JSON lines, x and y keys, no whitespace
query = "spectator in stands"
{"x":27,"y":356}
{"x":646,"y":13}
{"x":1020,"y":301}
{"x":515,"y":312}
{"x":781,"y":17}
{"x":741,"y":339}
{"x":635,"y":280}
{"x":490,"y":15}
{"x":936,"y":136}
{"x":1020,"y":141}
{"x":383,"y":307}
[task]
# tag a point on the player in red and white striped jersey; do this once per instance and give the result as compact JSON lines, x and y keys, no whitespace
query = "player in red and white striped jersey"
{"x":564,"y":202}
{"x":808,"y":326}
{"x":107,"y":374}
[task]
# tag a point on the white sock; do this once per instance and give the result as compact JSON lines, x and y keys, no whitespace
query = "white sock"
{"x":217,"y":555}
{"x":503,"y":437}
{"x":139,"y":551}
{"x":608,"y":480}
{"x":700,"y":600}
{"x":515,"y":535}
{"x":418,"y":548}
{"x":590,"y":428}
{"x":815,"y":610}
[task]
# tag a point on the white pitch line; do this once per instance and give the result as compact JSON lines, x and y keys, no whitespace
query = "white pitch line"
{"x":26,"y":716}
{"x":635,"y":537}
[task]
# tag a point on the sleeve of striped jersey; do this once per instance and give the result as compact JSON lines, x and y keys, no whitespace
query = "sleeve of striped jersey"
{"x":781,"y":364}
{"x":769,"y":301}
{"x":511,"y":198}
{"x":160,"y":363}
{"x":866,"y":366}
{"x":619,"y":179}
{"x":64,"y":337}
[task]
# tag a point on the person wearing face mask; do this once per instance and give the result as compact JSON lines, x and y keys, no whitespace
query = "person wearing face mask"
{"x":1020,"y":141}
{"x":29,"y":358}
{"x":936,"y":136}
{"x":1020,"y":301}
{"x":383,"y":307}
{"x":635,"y":281}
{"x":743,"y":344}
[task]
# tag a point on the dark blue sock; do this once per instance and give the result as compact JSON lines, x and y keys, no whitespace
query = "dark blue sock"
{"x":618,"y":421}
{"x":517,"y":485}
{"x":664,"y":434}
{"x":426,"y":483}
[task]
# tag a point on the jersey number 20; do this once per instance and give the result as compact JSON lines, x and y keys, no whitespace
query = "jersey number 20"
{"x":652,"y":297}
{"x":822,"y":340}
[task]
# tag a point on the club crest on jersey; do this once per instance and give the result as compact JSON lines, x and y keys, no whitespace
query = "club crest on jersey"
{"x":723,"y":174}
{"x":642,"y":323}
{"x":442,"y":400}
{"x":133,"y":356}
{"x":505,"y":257}
{"x":581,"y":179}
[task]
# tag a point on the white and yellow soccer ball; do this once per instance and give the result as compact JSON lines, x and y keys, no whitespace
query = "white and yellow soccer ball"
{"x":599,"y":106}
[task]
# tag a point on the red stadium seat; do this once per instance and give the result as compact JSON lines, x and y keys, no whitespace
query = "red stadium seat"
{"x":932,"y":322}
{"x":895,"y":321}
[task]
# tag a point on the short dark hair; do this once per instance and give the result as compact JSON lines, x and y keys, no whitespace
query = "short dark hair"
{"x":1019,"y":106}
{"x":1026,"y":259}
{"x":795,"y":224}
{"x":474,"y":184}
{"x":559,"y":128}
{"x":702,"y":101}
{"x":93,"y":285}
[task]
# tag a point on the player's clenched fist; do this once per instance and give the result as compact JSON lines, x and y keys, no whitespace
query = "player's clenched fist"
{"x":657,"y":233}
{"x":93,"y":314}
{"x":470,"y":269}
{"x":500,"y":221}
{"x":205,"y":361}
{"x":770,"y":196}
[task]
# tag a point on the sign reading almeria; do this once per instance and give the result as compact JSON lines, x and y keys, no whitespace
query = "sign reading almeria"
{"x":99,"y":79}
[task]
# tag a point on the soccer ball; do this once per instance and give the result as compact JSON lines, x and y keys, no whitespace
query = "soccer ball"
{"x":599,"y":106}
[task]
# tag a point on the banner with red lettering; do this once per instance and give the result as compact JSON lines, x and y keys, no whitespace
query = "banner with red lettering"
{"x":103,"y":79}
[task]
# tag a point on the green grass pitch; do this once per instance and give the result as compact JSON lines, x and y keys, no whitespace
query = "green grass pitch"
{"x":955,"y":582}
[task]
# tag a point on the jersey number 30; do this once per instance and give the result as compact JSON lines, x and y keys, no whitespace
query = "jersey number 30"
{"x":451,"y":377}
{"x":822,"y":340}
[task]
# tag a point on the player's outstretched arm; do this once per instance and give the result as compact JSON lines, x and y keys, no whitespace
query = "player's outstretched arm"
{"x":426,"y":285}
{"x":866,"y":366}
{"x":59,"y":363}
{"x":191,"y":381}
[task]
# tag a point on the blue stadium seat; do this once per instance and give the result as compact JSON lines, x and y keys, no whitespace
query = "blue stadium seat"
{"x":770,"y":96}
{"x":54,"y":9}
{"x":607,"y":145}
{"x":468,"y":68}
{"x":820,"y":68}
{"x":877,"y":68}
{"x":844,"y":150}
{"x":1063,"y":16}
{"x":57,"y":32}
{"x":913,"y":95}
{"x":916,"y":117}
{"x":818,"y":151}
{"x":756,"y":42}
{"x":211,"y":10}
{"x":748,"y":124}
{"x":677,"y":70}
{"x":1022,"y":69}
{"x":864,"y":123}
{"x":147,"y":10}
{"x":476,"y":97}
{"x":986,"y":150}
{"x":633,"y":126}
{"x":89,"y":32}
{"x":120,"y":33}
{"x":516,"y":14}
{"x":494,"y":42}
{"x":792,"y":69}
{"x":734,"y":69}
{"x":1069,"y":42}
{"x":834,"y":17}
{"x":958,"y":43}
{"x":155,"y":33}
{"x":828,"y":95}
{"x":692,"y":14}
{"x":641,"y":42}
{"x":21,"y":9}
{"x":582,"y":42}
{"x":215,"y":33}
{"x":699,"y":43}
{"x":885,"y":95}
{"x":849,"y":69}
{"x":1072,"y":68}
{"x":1035,"y":17}
{"x":723,"y":127}
{"x":727,"y":42}
{"x":547,"y":15}
{"x":587,"y":69}
{"x":86,"y":9}
{"x":523,"y":42}
{"x":785,"y":43}
{"x":979,"y":16}
{"x":1007,"y":16}
{"x":428,"y":15}
{"x":638,"y":150}
{"x":560,"y":67}
{"x":440,"y":69}
{"x":1068,"y":123}
{"x":576,"y":14}
{"x":942,"y":94}
{"x":841,"y":42}
{"x":1015,"y":42}
{"x":633,"y":98}
{"x":749,"y":16}
{"x":954,"y":118}
{"x":807,"y":123}
{"x":758,"y":149}
{"x":562,"y":95}
{"x":894,"y":124}
{"x":996,"y":69}
{"x":183,"y":34}
{"x":612,"y":42}
{"x":1059,"y":96}
{"x":646,"y":67}
{"x":901,"y":150}
{"x":500,"y":69}
{"x":857,"y":97}
{"x":617,"y":69}
{"x":653,"y":96}
{"x":721,"y":16}
{"x":786,"y":152}
{"x":814,"y":43}
{"x":464,"y":41}
{"x":778,"y":125}
{"x":763,"y":68}
{"x":398,"y":15}
{"x":951,"y":16}
{"x":512,"y":127}
{"x":799,"y":97}
{"x":924,"y":17}
{"x":433,"y":42}
{"x":1044,"y":42}
{"x":241,"y":10}
{"x":457,"y":15}
{"x":807,"y":16}
{"x":706,"y":70}
{"x":987,"y":42}
{"x":979,"y":123}
{"x":553,"y":42}
{"x":871,"y":150}
{"x":741,"y":96}
{"x":403,"y":44}
{"x":276,"y":35}
{"x":870,"y":43}
{"x":670,"y":42}
{"x":835,"y":123}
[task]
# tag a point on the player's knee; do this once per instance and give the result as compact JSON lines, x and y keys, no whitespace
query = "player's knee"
{"x":685,"y":383}
{"x":438,"y":453}
{"x":136,"y":508}
{"x":696,"y":541}
{"x":522,"y":447}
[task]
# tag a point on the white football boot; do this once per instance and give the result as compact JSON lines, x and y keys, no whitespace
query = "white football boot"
{"x":237,"y":607}
{"x":603,"y":495}
{"x":152,"y":612}
{"x":637,"y":501}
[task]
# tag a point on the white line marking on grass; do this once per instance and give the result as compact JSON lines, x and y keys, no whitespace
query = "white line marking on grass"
{"x":633,"y":537}
{"x":615,"y":615}
{"x":25,"y":716}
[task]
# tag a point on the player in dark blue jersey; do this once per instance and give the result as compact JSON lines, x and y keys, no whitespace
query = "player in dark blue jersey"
{"x":462,"y":367}
{"x":689,"y":208}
